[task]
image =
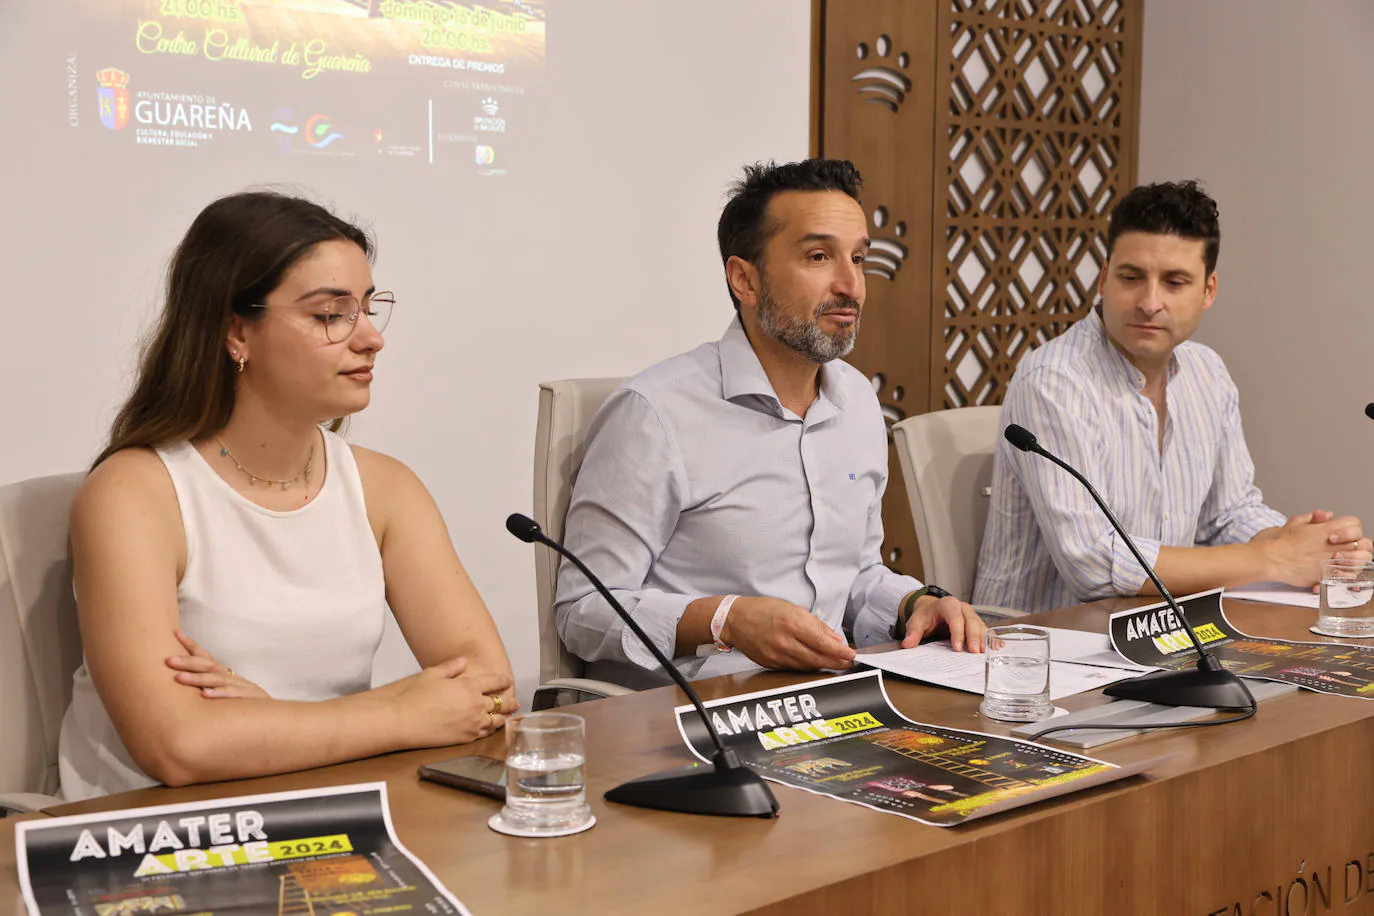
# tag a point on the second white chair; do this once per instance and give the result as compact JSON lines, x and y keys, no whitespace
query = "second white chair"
{"x":566,"y":409}
{"x":946,"y":458}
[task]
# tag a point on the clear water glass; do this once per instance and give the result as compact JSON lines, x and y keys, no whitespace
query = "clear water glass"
{"x":545,"y":789}
{"x":1017,"y":687}
{"x":1347,"y":599}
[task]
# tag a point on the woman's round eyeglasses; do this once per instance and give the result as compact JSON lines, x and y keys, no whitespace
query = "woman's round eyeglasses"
{"x":339,"y":315}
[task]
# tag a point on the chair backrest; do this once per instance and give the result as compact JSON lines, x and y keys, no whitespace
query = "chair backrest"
{"x":40,"y":643}
{"x":566,"y":409}
{"x":946,"y":458}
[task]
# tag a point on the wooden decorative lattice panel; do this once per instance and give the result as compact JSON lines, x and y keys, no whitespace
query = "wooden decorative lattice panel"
{"x":993,"y":137}
{"x":1037,"y":143}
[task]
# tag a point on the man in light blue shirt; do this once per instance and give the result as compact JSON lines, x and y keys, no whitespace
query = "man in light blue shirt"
{"x":1153,"y":420}
{"x":730,"y":497}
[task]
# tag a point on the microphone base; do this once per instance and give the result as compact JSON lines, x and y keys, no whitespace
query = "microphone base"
{"x":1208,"y":686}
{"x":700,"y":789}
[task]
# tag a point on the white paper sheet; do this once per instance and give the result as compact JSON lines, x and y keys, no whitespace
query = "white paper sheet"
{"x":937,"y":663}
{"x":1086,"y":648}
{"x":1276,"y":593}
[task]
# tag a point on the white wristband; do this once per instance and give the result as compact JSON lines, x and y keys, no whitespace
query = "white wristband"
{"x":718,"y":622}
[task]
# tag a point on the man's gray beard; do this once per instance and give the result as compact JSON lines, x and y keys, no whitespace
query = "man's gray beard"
{"x":805,"y":337}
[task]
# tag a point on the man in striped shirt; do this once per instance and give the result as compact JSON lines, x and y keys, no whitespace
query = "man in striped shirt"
{"x":1153,"y":420}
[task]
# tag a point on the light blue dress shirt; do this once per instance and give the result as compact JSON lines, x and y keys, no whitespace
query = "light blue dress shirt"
{"x":1047,"y":544}
{"x":698,"y":482}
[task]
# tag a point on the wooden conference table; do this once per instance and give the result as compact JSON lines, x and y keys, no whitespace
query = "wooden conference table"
{"x":1273,"y":815}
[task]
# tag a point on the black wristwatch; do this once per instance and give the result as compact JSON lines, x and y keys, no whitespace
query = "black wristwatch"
{"x":904,"y":612}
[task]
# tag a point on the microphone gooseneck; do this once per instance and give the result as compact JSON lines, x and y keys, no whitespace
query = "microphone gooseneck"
{"x":1210,"y":684}
{"x":728,"y":787}
{"x":1025,"y":440}
{"x":528,"y":530}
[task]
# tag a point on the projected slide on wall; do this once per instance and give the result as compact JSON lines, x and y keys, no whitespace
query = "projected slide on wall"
{"x":388,"y":83}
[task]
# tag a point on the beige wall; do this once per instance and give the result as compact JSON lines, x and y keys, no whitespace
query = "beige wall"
{"x":598,"y":262}
{"x":1267,"y":101}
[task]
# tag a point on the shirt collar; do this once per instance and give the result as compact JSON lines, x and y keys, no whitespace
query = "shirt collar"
{"x":1129,"y":373}
{"x":741,"y":374}
{"x":831,"y":389}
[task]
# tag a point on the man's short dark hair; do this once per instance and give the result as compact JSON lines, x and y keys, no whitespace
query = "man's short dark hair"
{"x":1169,"y":208}
{"x":744,"y":228}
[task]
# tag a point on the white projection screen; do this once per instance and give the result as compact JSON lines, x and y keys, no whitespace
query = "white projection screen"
{"x":542,"y":178}
{"x":401,"y":83}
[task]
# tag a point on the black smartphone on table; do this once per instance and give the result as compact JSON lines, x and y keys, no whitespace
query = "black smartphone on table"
{"x":482,"y":775}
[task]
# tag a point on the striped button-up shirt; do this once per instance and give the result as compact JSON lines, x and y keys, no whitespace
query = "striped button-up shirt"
{"x":1047,"y":544}
{"x":698,"y":482}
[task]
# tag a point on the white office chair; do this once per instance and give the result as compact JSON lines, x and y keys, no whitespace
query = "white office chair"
{"x":566,"y":409}
{"x":946,"y":458}
{"x":40,"y":643}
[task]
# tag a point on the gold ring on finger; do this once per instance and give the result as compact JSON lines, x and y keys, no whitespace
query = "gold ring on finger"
{"x":496,"y":702}
{"x":492,"y":716}
{"x":229,"y":671}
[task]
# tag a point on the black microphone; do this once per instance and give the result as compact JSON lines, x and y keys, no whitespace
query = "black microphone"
{"x":730,"y":788}
{"x":1369,"y":411}
{"x":523,"y":527}
{"x":1022,"y":438}
{"x":1210,"y":685}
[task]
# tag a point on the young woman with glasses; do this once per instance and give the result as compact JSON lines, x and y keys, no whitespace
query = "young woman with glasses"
{"x":235,"y":558}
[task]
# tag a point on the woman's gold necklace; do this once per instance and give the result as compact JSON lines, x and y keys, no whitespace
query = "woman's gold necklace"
{"x":254,"y":478}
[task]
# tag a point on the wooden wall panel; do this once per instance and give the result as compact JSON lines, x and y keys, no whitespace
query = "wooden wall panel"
{"x":994,"y":136}
{"x":878,"y":110}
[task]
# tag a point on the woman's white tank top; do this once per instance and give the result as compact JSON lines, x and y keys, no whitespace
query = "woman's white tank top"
{"x":294,"y":601}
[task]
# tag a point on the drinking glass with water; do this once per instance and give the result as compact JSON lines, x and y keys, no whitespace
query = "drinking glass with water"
{"x":1347,"y":599}
{"x":1017,"y":686}
{"x":546,"y":793}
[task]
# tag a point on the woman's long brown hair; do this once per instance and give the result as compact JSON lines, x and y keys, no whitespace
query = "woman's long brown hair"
{"x":235,"y":254}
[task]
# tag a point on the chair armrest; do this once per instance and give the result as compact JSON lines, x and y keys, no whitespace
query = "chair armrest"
{"x":990,"y":614}
{"x":547,"y":695}
{"x":27,"y":802}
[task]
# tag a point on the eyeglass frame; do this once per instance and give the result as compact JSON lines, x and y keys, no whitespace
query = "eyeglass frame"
{"x":352,"y":318}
